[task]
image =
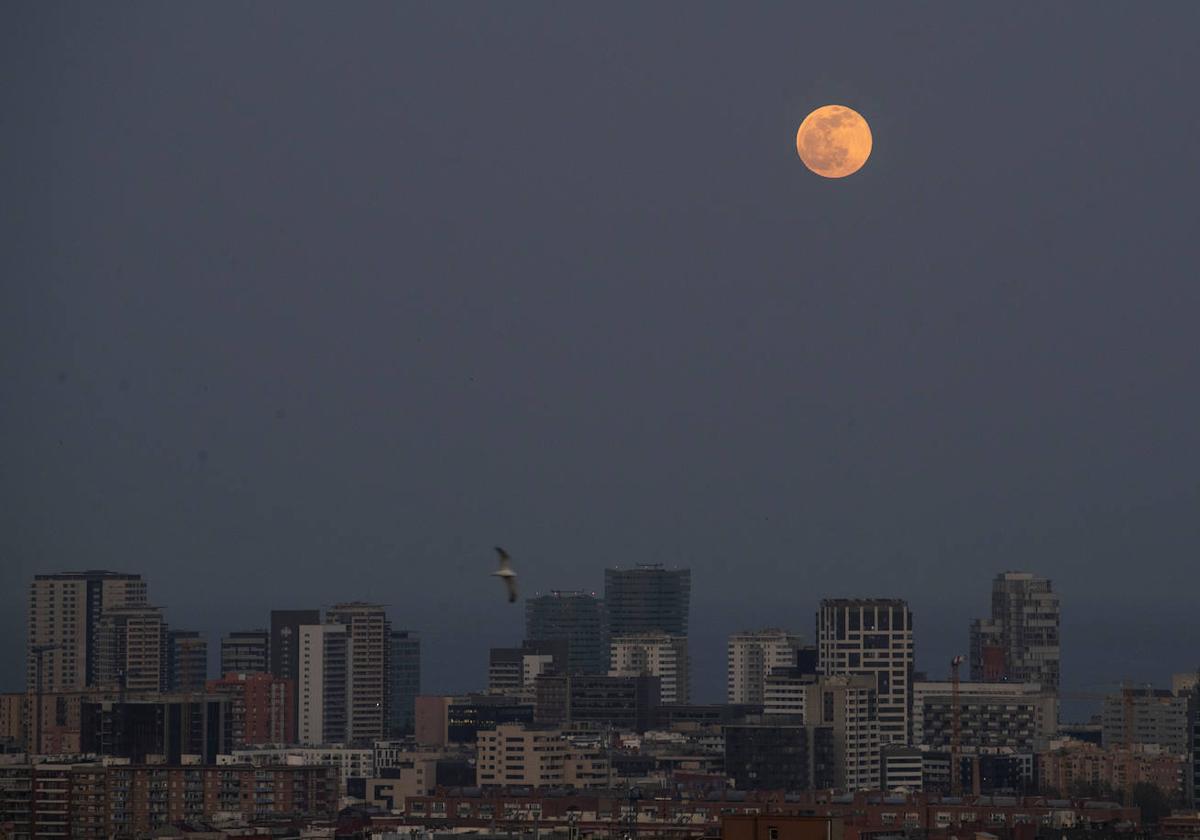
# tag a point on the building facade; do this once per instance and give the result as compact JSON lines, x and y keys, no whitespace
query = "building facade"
{"x":779,"y":753}
{"x":624,"y":703}
{"x":94,"y":802}
{"x":260,"y":708}
{"x":131,"y":650}
{"x":648,"y":598}
{"x":514,"y":671}
{"x":1159,"y":718}
{"x":187,"y":661}
{"x":751,"y":657}
{"x":63,"y":625}
{"x":656,"y":654}
{"x":872,"y":637}
{"x":578,"y":618}
{"x":1019,"y":716}
{"x":404,"y":677}
{"x":324,"y":684}
{"x":284,"y":647}
{"x":1019,"y":642}
{"x":369,"y":652}
{"x":246,"y":652}
{"x":159,"y":727}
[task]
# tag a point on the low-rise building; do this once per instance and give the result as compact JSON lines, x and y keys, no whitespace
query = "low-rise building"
{"x":350,"y":762}
{"x":512,"y":755}
{"x":93,"y":801}
{"x":1071,"y":767}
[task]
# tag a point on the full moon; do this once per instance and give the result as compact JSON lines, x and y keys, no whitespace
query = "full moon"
{"x":834,"y":141}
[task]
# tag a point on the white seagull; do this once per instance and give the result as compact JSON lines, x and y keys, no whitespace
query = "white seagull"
{"x":505,"y":571}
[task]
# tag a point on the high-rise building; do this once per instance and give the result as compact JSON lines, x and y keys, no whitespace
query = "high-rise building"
{"x":1020,"y":641}
{"x":648,"y":598}
{"x":848,"y":705}
{"x":370,"y":652}
{"x":872,"y":637}
{"x":656,"y":654}
{"x":752,"y":656}
{"x":187,"y":660}
{"x":578,"y":618}
{"x":131,"y":650}
{"x":284,"y":649}
{"x":64,"y":620}
{"x":405,"y":678}
{"x":246,"y":652}
{"x":324,"y":683}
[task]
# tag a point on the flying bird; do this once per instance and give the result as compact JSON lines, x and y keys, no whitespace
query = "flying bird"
{"x":505,"y":571}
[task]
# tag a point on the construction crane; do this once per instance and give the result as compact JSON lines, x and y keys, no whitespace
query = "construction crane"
{"x":955,"y":729}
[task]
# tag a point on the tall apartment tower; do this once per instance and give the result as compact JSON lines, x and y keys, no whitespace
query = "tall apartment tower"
{"x":246,"y":652}
{"x":752,"y":657}
{"x":64,"y":620}
{"x":647,"y":599}
{"x":132,"y":649}
{"x":1020,"y":641}
{"x":324,"y":685}
{"x":370,"y":653}
{"x":284,"y":648}
{"x":872,"y":637}
{"x":405,"y":679}
{"x":655,"y":654}
{"x":187,"y":661}
{"x":578,"y":618}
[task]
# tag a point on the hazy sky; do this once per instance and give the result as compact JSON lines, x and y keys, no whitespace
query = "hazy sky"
{"x":304,"y":303}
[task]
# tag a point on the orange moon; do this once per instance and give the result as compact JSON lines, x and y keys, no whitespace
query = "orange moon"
{"x":834,"y":141}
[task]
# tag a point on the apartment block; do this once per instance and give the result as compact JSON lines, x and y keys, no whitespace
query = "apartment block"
{"x":752,"y":656}
{"x":1159,"y":718}
{"x":323,"y":684}
{"x":1018,"y":716}
{"x":64,"y":616}
{"x":872,"y":637}
{"x":369,"y":651}
{"x":246,"y":652}
{"x":655,"y":654}
{"x":131,"y":653}
{"x":1019,"y":642}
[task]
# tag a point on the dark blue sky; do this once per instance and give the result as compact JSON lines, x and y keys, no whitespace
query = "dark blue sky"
{"x":304,"y":303}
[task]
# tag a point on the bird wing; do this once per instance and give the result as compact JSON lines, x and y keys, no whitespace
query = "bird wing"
{"x":511,"y":583}
{"x":505,"y":562}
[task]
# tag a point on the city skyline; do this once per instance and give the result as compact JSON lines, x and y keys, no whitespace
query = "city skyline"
{"x":1074,"y":706}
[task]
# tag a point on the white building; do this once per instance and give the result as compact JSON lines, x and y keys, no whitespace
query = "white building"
{"x":752,"y":656}
{"x":323,"y":684}
{"x":785,"y":692}
{"x":872,"y":637}
{"x":658,"y":654}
